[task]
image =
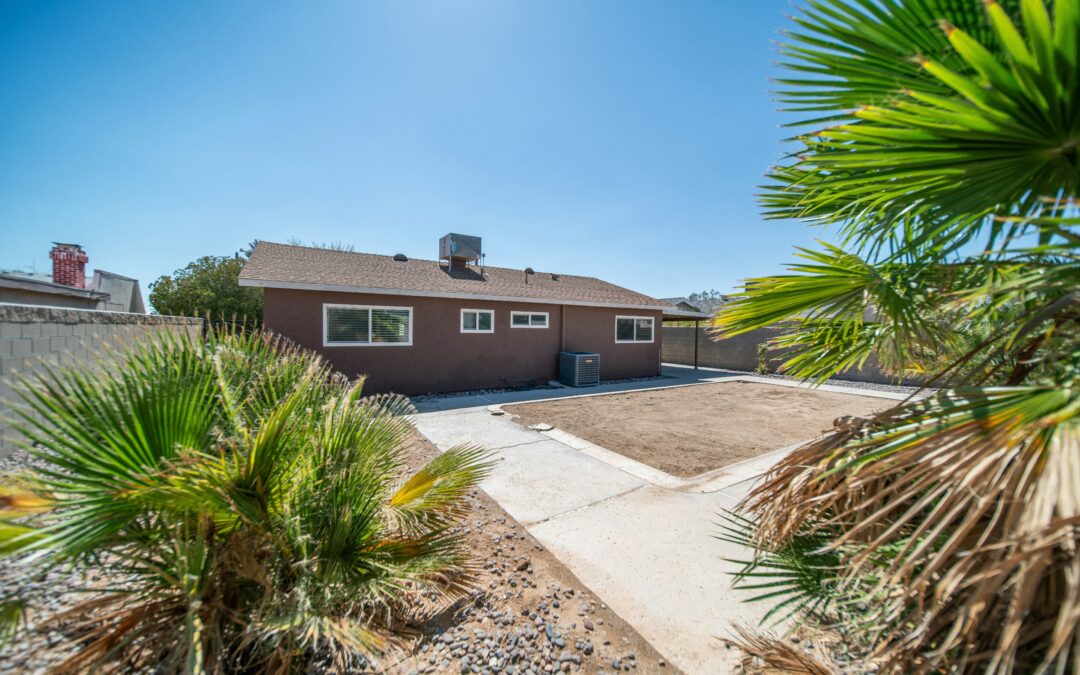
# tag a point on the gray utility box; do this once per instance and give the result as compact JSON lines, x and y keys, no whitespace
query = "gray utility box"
{"x":463,"y":246}
{"x":579,"y":369}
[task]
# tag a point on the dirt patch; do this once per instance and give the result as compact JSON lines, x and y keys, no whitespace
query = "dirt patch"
{"x":686,"y":431}
{"x":529,"y":614}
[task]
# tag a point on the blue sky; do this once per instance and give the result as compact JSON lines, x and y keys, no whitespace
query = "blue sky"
{"x":617,"y":139}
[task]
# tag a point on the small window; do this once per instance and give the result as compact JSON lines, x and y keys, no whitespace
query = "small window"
{"x":633,"y":329}
{"x":477,"y":321}
{"x":529,"y":319}
{"x":358,"y":325}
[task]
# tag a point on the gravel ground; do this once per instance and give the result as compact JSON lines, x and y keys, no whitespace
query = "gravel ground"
{"x":36,"y":650}
{"x":528,"y":614}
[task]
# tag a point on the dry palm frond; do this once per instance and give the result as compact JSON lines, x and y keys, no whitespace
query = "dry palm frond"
{"x":961,"y":514}
{"x":339,"y":640}
{"x":781,"y":655}
{"x":115,"y":632}
{"x":18,"y":500}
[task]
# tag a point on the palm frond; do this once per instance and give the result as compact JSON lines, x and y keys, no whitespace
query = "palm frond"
{"x":839,"y":310}
{"x":955,"y":119}
{"x":973,"y":493}
{"x":243,"y":501}
{"x":12,"y":619}
{"x":781,"y":654}
{"x":946,"y":149}
{"x":799,"y":578}
{"x":433,"y":496}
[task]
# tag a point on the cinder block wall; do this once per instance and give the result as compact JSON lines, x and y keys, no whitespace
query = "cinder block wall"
{"x":740,"y":353}
{"x":33,"y":338}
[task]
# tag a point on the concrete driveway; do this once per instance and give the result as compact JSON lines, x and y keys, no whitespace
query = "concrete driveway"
{"x":643,"y":543}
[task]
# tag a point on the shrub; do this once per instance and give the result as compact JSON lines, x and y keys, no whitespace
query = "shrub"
{"x":762,"y":358}
{"x":246,"y":505}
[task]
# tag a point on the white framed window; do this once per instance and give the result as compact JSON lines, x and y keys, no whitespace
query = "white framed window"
{"x":634,"y":328}
{"x":477,"y":321}
{"x":528,"y":319}
{"x":366,"y":326}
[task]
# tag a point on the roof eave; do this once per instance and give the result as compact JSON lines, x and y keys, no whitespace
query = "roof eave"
{"x":681,"y":314}
{"x":50,"y":288}
{"x":335,"y":288}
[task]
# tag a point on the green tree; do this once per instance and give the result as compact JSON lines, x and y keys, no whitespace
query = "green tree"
{"x":707,"y":301}
{"x":944,"y":147}
{"x":209,"y":285}
{"x":249,"y":511}
{"x":328,"y":245}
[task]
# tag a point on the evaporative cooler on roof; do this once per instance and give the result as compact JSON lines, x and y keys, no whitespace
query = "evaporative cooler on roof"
{"x":462,"y":247}
{"x":579,"y":369}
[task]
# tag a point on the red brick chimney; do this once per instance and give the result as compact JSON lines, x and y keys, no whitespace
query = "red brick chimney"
{"x":68,"y":264}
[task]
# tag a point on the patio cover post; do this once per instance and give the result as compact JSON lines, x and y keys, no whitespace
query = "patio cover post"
{"x":697,"y":324}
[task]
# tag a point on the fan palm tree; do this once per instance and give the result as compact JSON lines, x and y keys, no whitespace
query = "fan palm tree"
{"x":942,"y":143}
{"x":248,"y":509}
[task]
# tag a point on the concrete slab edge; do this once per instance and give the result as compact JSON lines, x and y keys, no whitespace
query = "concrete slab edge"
{"x":832,"y":388}
{"x":711,"y":481}
{"x":491,"y":400}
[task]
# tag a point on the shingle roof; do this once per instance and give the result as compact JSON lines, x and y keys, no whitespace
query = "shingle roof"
{"x":680,"y":301}
{"x":283,"y":266}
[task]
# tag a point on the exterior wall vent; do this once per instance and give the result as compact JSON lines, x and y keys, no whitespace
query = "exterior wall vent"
{"x":579,"y":369}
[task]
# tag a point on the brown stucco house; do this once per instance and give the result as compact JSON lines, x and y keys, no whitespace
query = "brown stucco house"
{"x":419,"y":326}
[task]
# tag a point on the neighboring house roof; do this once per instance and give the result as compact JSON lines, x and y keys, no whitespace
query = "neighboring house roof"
{"x":38,"y":276}
{"x":124,"y":292}
{"x":682,"y":303}
{"x":283,"y":266}
{"x":108,"y":290}
{"x":677,"y":314}
{"x":38,"y":285}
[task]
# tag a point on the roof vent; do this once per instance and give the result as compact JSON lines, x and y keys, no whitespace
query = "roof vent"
{"x":401,"y":257}
{"x":554,"y":277}
{"x":529,"y":270}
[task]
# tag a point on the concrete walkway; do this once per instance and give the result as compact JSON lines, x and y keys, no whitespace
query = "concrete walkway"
{"x":642,"y":541}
